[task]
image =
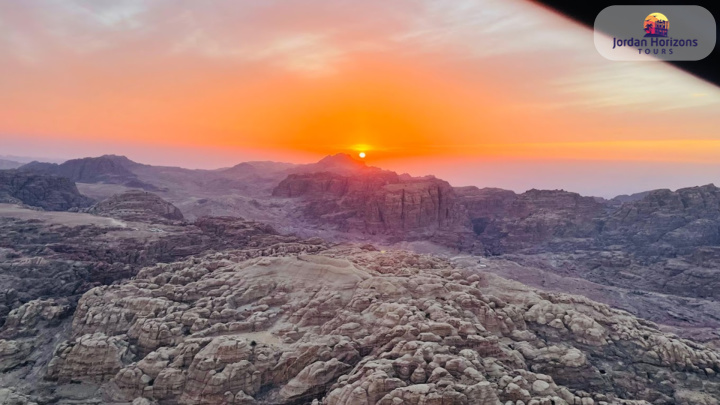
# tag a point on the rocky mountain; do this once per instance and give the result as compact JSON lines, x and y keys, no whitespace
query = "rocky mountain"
{"x":661,"y":223}
{"x":668,"y":223}
{"x":42,"y":191}
{"x":247,"y":169}
{"x":341,"y":194}
{"x":241,"y":190}
{"x":137,"y":205}
{"x":508,"y":222}
{"x":341,"y":163}
{"x":110,"y":169}
{"x":374,"y":202}
{"x":130,"y":301}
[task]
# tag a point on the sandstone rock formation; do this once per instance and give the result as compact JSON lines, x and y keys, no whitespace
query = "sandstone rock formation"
{"x":47,"y":192}
{"x":137,"y":205}
{"x":353,"y":325}
{"x":49,"y":259}
{"x":219,"y":310}
{"x":507,"y":222}
{"x":375,"y":203}
{"x":58,"y":255}
{"x":654,"y":256}
{"x":667,"y":223}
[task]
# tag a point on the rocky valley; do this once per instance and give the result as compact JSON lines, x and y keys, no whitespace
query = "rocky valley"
{"x":340,"y":283}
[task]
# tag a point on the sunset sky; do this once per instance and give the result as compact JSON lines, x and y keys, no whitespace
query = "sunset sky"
{"x":487,"y":92}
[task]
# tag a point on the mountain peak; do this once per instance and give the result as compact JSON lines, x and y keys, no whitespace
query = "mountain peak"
{"x":120,"y":159}
{"x":340,"y":163}
{"x":340,"y":158}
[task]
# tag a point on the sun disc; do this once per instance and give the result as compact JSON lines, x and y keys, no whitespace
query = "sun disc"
{"x":362,"y":155}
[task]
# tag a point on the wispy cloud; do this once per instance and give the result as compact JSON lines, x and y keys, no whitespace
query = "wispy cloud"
{"x":487,"y":28}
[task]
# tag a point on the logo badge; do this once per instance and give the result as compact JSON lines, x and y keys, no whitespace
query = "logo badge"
{"x":656,"y":25}
{"x":620,"y":36}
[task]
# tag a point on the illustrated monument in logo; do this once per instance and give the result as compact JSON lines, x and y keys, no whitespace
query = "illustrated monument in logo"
{"x":656,"y":25}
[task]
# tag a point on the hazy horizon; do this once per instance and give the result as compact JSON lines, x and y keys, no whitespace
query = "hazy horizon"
{"x":500,"y":174}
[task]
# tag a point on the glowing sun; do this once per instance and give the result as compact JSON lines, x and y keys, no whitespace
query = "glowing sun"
{"x":362,"y":155}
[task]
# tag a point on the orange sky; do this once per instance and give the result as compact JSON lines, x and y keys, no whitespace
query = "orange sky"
{"x":209,"y":84}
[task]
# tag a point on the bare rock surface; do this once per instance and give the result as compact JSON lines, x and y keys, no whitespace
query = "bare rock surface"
{"x":49,"y":259}
{"x":692,"y":318}
{"x":507,"y":222}
{"x":668,"y":223}
{"x":227,"y":311}
{"x":137,"y":205}
{"x":378,"y":203}
{"x":354,"y":325}
{"x":43,"y":191}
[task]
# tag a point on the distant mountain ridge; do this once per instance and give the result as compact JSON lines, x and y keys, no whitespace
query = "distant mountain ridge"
{"x":342,"y":193}
{"x":652,"y":252}
{"x":48,"y":192}
{"x":111,"y":169}
{"x":9,"y":164}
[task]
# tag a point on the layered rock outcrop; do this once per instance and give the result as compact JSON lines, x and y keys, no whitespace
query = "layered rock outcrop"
{"x":355,"y":326}
{"x":375,"y":203}
{"x":139,"y":206}
{"x":60,"y":255}
{"x":507,"y":222}
{"x":667,"y":223}
{"x":659,"y":255}
{"x":49,"y":259}
{"x":51,"y":193}
{"x":488,"y":221}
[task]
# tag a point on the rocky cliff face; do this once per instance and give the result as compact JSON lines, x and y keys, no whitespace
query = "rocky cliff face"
{"x":355,"y":326}
{"x":137,"y":205}
{"x":656,"y":257}
{"x":374,"y":203}
{"x":667,"y":223}
{"x":506,"y":222}
{"x":43,"y":191}
{"x":659,"y":223}
{"x":385,"y":203}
